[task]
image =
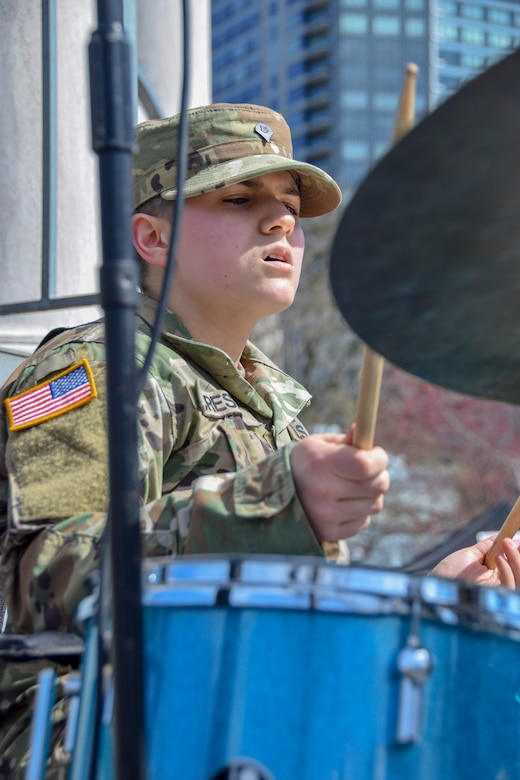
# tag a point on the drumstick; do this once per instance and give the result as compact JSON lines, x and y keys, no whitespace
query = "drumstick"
{"x":372,"y":363}
{"x":509,"y":528}
{"x":368,"y":399}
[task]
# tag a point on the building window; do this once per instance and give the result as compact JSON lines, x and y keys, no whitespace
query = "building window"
{"x":472,"y":60}
{"x":386,"y":4}
{"x":354,"y":3}
{"x":498,"y":16}
{"x":318,"y":43}
{"x":355,"y":151}
{"x":388,"y":77}
{"x":414,"y":5}
{"x":452,"y":82}
{"x":296,"y":19}
{"x":294,"y":46}
{"x":385,"y":101}
{"x":356,"y":125}
{"x":448,"y":7}
{"x":472,"y":11}
{"x":498,"y":40}
{"x":297,"y":94}
{"x":473,"y":35}
{"x":354,"y":99}
{"x":353,"y":24}
{"x":296,"y":69}
{"x":420,"y":104}
{"x":297,"y":118}
{"x":354,"y":173}
{"x":449,"y":57}
{"x":386,"y":26}
{"x":318,"y":117}
{"x":447,"y":31}
{"x":383,"y":125}
{"x":415,"y":28}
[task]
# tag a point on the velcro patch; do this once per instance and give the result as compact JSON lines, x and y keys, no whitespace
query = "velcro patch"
{"x":217,"y":404}
{"x":68,"y":390}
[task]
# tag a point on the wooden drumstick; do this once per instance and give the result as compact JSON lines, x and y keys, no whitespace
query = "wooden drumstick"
{"x":405,"y":115}
{"x":509,"y":528}
{"x":372,"y":363}
{"x":368,"y":399}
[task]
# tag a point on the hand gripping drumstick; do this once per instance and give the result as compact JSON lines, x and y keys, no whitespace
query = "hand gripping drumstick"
{"x":509,"y":528}
{"x":372,"y":364}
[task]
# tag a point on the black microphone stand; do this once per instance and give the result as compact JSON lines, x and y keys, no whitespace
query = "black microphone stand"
{"x":113,"y":141}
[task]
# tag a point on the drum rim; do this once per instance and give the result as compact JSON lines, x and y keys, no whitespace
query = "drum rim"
{"x":306,"y":583}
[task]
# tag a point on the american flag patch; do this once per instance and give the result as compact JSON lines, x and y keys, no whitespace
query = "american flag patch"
{"x":68,"y":390}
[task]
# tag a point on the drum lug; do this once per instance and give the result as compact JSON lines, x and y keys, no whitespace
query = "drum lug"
{"x":72,"y":689}
{"x":41,"y":724}
{"x":243,"y":769}
{"x":415,"y":663}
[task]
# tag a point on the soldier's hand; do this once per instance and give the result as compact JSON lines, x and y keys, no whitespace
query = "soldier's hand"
{"x":339,"y":485}
{"x":469,"y":564}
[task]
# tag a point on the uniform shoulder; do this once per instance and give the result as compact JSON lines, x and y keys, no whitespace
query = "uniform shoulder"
{"x":58,"y":351}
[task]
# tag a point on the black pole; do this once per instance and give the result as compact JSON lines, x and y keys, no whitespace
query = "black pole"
{"x":113,"y":140}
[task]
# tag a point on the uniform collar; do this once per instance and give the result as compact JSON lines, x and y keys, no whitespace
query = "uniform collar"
{"x":261,"y":386}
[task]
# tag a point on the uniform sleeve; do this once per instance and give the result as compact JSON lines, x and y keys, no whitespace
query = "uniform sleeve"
{"x":231,"y":513}
{"x":56,"y":484}
{"x":254,"y":509}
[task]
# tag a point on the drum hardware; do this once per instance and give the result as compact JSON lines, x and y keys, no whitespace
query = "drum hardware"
{"x":41,"y":724}
{"x":241,"y":650}
{"x":72,"y":689}
{"x":61,"y":648}
{"x":243,"y":769}
{"x":497,"y":602}
{"x":415,"y":663}
{"x":84,"y":735}
{"x":92,"y":618}
{"x":64,"y":648}
{"x":4,"y":613}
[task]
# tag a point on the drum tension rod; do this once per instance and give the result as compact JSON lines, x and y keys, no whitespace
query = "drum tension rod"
{"x":415,"y":663}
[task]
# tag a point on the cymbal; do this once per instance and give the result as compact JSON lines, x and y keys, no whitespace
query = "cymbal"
{"x":425,"y":263}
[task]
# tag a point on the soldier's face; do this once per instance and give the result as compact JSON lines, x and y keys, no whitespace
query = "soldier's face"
{"x":241,"y":249}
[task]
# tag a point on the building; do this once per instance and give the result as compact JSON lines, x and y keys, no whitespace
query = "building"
{"x":334,"y":68}
{"x":50,"y":241}
{"x":470,"y":37}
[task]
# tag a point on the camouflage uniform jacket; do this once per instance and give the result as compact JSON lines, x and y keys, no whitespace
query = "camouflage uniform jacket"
{"x":214,"y":471}
{"x":214,"y":446}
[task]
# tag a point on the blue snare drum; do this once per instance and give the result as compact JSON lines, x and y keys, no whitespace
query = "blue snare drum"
{"x":315,"y":671}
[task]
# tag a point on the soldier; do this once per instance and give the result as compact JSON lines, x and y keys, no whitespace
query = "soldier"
{"x":225,"y":464}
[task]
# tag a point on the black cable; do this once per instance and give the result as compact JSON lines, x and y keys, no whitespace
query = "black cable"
{"x":182,"y":162}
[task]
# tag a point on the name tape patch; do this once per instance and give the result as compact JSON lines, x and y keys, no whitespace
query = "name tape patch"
{"x":217,"y":404}
{"x":68,"y":390}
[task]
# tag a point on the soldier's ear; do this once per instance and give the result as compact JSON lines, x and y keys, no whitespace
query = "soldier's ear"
{"x":151,"y":237}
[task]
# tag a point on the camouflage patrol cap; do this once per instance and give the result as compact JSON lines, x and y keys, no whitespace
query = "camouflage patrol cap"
{"x":227,"y":143}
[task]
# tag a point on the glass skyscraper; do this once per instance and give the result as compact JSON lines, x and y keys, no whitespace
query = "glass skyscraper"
{"x":335,"y":68}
